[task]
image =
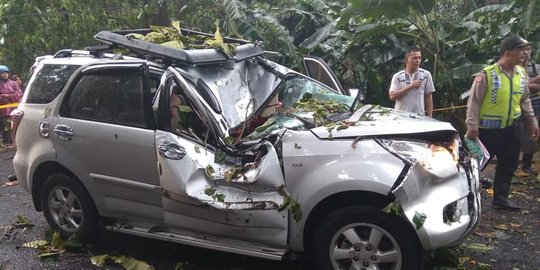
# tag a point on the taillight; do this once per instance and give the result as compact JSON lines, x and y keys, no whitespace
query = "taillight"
{"x":15,"y":117}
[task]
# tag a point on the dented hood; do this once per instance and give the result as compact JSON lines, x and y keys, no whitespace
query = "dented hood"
{"x":372,"y":120}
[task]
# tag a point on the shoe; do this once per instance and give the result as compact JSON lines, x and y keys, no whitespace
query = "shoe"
{"x":486,"y":182}
{"x":531,"y":171}
{"x":505,"y":204}
{"x":12,"y":178}
{"x":522,"y":172}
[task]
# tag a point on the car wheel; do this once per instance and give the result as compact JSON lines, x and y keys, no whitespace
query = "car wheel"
{"x":360,"y":237}
{"x":68,"y":208}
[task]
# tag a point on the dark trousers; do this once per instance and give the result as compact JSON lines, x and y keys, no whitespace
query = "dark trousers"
{"x":5,"y":131}
{"x":505,"y":144}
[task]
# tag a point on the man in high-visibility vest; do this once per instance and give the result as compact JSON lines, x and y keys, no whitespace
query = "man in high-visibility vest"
{"x":499,"y":101}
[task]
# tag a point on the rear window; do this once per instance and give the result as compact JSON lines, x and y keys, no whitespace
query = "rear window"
{"x":49,"y":82}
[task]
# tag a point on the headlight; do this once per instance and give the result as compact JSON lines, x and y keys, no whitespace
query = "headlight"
{"x":432,"y":157}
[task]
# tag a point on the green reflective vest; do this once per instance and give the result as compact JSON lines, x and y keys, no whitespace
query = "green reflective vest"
{"x":502,"y":103}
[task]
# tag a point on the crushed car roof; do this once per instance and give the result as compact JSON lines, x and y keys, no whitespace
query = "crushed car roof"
{"x":192,"y":57}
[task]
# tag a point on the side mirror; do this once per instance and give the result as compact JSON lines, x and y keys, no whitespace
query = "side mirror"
{"x":357,"y":92}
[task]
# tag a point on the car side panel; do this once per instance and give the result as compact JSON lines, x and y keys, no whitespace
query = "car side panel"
{"x":316,"y":169}
{"x":30,"y":155}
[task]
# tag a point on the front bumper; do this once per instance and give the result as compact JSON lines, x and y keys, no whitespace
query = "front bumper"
{"x":451,"y":205}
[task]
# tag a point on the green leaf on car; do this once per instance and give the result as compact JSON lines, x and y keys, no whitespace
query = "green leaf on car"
{"x":393,"y":208}
{"x":214,"y":194}
{"x":209,"y":171}
{"x":220,"y":156}
{"x":209,"y":191}
{"x":419,"y":219}
{"x":289,"y":203}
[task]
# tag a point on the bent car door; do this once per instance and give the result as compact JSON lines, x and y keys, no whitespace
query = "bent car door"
{"x":200,"y":191}
{"x":104,"y":133}
{"x":318,"y":69}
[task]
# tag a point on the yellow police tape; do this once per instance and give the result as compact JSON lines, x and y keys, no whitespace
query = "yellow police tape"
{"x":9,"y":105}
{"x":450,"y":108}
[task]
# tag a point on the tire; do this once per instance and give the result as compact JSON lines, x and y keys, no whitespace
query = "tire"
{"x":342,"y":241}
{"x":68,"y":208}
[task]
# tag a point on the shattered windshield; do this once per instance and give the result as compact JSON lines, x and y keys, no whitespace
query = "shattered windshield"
{"x":304,"y":104}
{"x":300,"y":95}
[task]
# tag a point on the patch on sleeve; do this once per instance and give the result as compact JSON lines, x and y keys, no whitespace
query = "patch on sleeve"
{"x":478,"y":78}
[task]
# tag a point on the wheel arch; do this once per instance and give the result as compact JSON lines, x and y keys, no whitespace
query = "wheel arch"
{"x":341,"y":200}
{"x":41,"y":173}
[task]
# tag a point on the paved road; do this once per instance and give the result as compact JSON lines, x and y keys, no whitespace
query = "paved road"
{"x":161,"y":255}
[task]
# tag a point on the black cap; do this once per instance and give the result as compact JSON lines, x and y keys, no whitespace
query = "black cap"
{"x":513,"y":42}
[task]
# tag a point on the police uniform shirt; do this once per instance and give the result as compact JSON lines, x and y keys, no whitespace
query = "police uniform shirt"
{"x":413,"y":100}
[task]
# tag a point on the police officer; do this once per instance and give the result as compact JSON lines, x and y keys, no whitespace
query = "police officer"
{"x":499,"y":98}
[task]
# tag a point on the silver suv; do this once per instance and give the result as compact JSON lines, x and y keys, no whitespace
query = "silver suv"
{"x":239,"y":154}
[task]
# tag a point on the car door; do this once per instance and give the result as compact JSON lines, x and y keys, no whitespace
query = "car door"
{"x":196,"y":194}
{"x":317,"y":69}
{"x":104,"y":133}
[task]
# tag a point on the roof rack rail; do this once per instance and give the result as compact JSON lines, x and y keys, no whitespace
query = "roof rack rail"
{"x":63,"y":53}
{"x":99,"y":51}
{"x":96,"y":51}
{"x":191,"y":57}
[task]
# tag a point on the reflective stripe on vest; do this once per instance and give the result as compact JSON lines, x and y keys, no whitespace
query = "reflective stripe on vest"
{"x":502,"y":103}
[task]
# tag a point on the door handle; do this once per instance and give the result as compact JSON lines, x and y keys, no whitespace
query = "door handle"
{"x":63,"y":132}
{"x":171,"y":151}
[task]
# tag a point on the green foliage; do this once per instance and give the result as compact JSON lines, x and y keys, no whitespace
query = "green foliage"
{"x":289,"y":203}
{"x":363,"y":41}
{"x":47,"y":249}
{"x":33,"y":28}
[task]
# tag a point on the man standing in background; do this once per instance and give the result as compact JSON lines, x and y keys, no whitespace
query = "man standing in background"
{"x":529,"y":146}
{"x":412,"y":87}
{"x":10,"y":92}
{"x":499,"y":100}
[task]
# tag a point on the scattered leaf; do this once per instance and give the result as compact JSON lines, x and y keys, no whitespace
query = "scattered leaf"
{"x":22,"y":222}
{"x":502,"y":227}
{"x":210,"y":171}
{"x":47,"y":249}
{"x":36,"y":244}
{"x":289,"y":203}
{"x":478,"y":247}
{"x":209,"y":191}
{"x":129,"y":263}
{"x":220,"y":157}
{"x":393,"y":208}
{"x":99,"y":260}
{"x":419,"y":219}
